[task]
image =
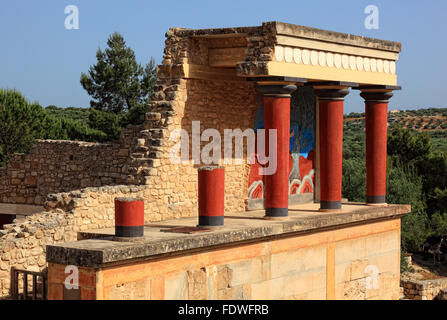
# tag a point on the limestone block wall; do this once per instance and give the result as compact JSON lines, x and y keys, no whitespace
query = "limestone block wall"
{"x":322,"y":265}
{"x":224,"y":105}
{"x":222,"y":102}
{"x":425,"y":289}
{"x":141,"y":156}
{"x":71,"y":178}
{"x":443,"y":294}
{"x":187,"y":45}
{"x":23,"y":243}
{"x":53,"y":166}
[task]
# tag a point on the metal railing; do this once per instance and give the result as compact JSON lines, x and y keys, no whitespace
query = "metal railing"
{"x":23,"y":289}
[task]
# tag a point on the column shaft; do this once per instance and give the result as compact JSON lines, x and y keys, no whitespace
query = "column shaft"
{"x":331,"y":153}
{"x":277,"y":117}
{"x":376,"y":109}
{"x":330,"y":113}
{"x":276,"y":99}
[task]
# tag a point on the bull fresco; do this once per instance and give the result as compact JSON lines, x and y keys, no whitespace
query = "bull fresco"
{"x":301,"y":145}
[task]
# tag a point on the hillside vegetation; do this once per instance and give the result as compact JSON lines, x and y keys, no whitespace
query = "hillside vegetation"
{"x":432,"y":121}
{"x":21,"y":122}
{"x":416,"y":170}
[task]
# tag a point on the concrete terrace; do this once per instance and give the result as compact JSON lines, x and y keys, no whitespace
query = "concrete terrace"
{"x":98,"y":248}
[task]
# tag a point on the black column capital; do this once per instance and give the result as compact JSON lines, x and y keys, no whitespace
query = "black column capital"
{"x":377,"y":96}
{"x":276,"y":90}
{"x":333,"y":94}
{"x":377,"y":93}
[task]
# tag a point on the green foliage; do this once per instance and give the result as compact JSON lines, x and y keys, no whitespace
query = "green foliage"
{"x":354,"y":179}
{"x":117,"y":83}
{"x":353,"y":144}
{"x":417,"y":175}
{"x":120,"y":88}
{"x":68,"y":113}
{"x":404,"y":186}
{"x":107,"y":122}
{"x":438,"y":224}
{"x":70,"y":124}
{"x":136,"y":115}
{"x":407,"y":146}
{"x":439,"y":139}
{"x":404,"y":266}
{"x":20,"y":123}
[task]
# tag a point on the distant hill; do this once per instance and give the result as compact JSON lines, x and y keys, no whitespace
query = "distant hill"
{"x":431,"y":120}
{"x":73,"y":113}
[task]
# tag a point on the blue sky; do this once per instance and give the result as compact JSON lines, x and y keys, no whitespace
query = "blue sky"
{"x":43,"y":60}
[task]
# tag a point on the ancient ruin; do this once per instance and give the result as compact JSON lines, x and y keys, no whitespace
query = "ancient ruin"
{"x":286,"y":235}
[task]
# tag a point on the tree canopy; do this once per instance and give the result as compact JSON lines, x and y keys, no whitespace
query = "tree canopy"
{"x":117,"y":82}
{"x":416,"y":175}
{"x":20,"y":123}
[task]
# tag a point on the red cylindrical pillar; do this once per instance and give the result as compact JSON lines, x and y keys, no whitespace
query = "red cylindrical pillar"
{"x":277,"y":117}
{"x":211,"y":195}
{"x":330,"y":104}
{"x":376,"y":107}
{"x":129,"y":217}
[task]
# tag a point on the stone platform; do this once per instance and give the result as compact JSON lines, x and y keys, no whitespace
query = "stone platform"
{"x":248,"y":258}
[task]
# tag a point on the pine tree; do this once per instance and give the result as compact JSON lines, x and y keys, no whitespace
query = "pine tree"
{"x":20,"y":123}
{"x":117,"y":83}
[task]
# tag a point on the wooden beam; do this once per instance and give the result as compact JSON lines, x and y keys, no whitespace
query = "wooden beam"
{"x":226,"y":57}
{"x":195,"y":71}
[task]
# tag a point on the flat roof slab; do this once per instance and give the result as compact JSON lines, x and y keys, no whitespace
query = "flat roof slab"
{"x":104,"y":250}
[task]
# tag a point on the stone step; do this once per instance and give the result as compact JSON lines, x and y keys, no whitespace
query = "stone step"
{"x":138,"y":155}
{"x":146,"y":171}
{"x":155,"y":142}
{"x":141,"y":149}
{"x":145,"y":133}
{"x":153,"y":116}
{"x":143,"y":162}
{"x":155,"y":155}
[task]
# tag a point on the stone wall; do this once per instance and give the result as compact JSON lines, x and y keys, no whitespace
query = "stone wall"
{"x":443,"y":294}
{"x":217,"y":103}
{"x":70,"y":177}
{"x":142,"y":155}
{"x":23,"y":243}
{"x":53,"y":166}
{"x":425,"y":289}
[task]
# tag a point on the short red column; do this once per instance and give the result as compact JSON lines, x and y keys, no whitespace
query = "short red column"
{"x":211,"y":196}
{"x":330,"y":113}
{"x":376,"y":107}
{"x":276,"y":100}
{"x":129,"y":217}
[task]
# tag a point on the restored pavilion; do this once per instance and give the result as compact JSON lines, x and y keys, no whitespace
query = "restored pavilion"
{"x":313,"y":244}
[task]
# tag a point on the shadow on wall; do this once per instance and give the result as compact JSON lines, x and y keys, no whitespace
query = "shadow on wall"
{"x":301,"y":147}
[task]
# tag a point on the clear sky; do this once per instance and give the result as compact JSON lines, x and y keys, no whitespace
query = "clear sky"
{"x":44,"y":60}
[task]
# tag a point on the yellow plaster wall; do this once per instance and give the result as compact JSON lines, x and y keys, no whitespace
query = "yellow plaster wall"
{"x":335,"y":264}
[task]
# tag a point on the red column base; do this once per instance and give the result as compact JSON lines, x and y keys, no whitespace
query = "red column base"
{"x":211,"y":196}
{"x":129,"y":217}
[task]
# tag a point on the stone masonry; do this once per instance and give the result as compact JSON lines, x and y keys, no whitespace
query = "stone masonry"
{"x":425,"y":289}
{"x":58,"y":166}
{"x":23,"y":243}
{"x":78,"y":181}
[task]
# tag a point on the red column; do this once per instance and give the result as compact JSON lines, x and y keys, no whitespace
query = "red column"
{"x":277,"y":116}
{"x":211,"y":195}
{"x":376,"y":106}
{"x":129,"y":217}
{"x":330,"y":104}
